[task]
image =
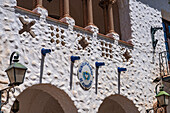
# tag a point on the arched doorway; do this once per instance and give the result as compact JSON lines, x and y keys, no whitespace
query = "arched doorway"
{"x":117,"y":104}
{"x":45,"y":98}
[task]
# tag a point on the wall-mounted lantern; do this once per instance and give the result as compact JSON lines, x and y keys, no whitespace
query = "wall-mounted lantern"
{"x":98,"y":64}
{"x":15,"y":71}
{"x":16,"y":74}
{"x":73,"y":59}
{"x":162,"y":98}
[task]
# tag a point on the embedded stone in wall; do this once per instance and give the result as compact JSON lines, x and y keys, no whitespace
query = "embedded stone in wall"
{"x":106,"y":48}
{"x":57,"y":35}
{"x":83,"y":42}
{"x":127,"y":55}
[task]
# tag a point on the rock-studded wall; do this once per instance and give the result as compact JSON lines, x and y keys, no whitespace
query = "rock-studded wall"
{"x":145,"y":14}
{"x":65,"y":40}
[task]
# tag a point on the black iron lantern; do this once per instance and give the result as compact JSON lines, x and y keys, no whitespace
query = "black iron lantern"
{"x":16,"y":71}
{"x":163,"y":97}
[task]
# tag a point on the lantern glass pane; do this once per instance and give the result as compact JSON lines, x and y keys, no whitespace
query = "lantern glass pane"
{"x":161,"y":100}
{"x":19,"y":75}
{"x":166,"y":100}
{"x":10,"y":74}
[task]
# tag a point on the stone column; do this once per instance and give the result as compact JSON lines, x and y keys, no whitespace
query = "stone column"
{"x":66,"y":8}
{"x":106,"y":5}
{"x":105,"y":13}
{"x":66,"y":18}
{"x":111,"y":31}
{"x":40,"y":9}
{"x":89,"y":12}
{"x":90,"y":25}
{"x":110,"y":18}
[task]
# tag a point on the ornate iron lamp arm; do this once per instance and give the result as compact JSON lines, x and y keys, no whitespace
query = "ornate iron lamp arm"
{"x":148,"y":110}
{"x":156,"y":88}
{"x":1,"y":92}
{"x":15,"y":57}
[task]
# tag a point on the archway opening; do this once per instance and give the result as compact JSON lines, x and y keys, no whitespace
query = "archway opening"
{"x":45,"y":98}
{"x":117,"y":104}
{"x":53,"y":8}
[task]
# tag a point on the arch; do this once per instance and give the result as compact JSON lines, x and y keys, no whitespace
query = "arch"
{"x":45,"y":98}
{"x":117,"y":104}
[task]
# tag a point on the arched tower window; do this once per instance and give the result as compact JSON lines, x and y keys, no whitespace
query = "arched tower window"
{"x":116,"y":18}
{"x":112,"y":16}
{"x":53,"y":7}
{"x":98,"y":16}
{"x":77,"y":10}
{"x":124,"y":19}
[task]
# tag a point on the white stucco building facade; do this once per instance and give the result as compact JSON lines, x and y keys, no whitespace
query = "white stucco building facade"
{"x":65,"y":39}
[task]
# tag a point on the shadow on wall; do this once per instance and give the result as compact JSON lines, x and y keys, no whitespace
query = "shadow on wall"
{"x":157,"y":4}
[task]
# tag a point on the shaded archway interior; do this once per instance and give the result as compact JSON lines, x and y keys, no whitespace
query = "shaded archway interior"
{"x":117,"y":104}
{"x":45,"y":98}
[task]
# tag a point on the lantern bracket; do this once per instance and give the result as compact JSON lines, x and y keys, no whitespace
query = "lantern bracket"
{"x":148,"y":110}
{"x":156,"y":88}
{"x":8,"y":89}
{"x":154,"y":41}
{"x":15,"y":57}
